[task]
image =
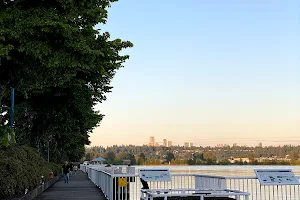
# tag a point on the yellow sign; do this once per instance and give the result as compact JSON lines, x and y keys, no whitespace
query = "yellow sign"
{"x":122,"y":182}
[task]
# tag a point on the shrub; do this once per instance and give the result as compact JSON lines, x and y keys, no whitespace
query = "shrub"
{"x":21,"y":167}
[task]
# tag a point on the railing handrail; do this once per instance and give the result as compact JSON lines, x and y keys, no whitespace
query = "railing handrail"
{"x":108,"y":179}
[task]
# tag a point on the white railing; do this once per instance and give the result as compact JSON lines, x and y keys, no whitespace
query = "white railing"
{"x":108,"y":179}
{"x":263,"y":192}
{"x":195,"y":194}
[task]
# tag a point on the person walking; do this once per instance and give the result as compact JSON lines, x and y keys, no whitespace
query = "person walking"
{"x":75,"y":169}
{"x":66,"y":171}
{"x":71,"y":168}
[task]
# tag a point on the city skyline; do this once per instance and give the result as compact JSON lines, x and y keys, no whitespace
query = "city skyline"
{"x":226,"y":71}
{"x":153,"y":141}
{"x":165,"y":142}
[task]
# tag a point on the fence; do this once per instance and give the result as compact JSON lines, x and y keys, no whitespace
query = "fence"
{"x":108,"y":179}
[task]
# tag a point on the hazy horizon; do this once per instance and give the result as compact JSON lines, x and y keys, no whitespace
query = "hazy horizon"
{"x":207,"y":72}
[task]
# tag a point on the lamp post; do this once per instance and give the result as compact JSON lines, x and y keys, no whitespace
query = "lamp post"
{"x":11,"y":108}
{"x":11,"y":112}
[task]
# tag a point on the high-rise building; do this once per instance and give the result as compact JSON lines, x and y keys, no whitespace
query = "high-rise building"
{"x":260,"y":145}
{"x":188,"y":144}
{"x":152,"y":141}
{"x":170,"y":143}
{"x":164,"y":142}
{"x":234,"y":145}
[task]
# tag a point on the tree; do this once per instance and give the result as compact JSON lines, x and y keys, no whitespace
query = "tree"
{"x":294,"y":155}
{"x":141,"y":159}
{"x":132,"y":159}
{"x":170,"y":157}
{"x":251,"y":156}
{"x":60,"y":67}
{"x":88,"y":157}
{"x":110,"y":157}
{"x":209,"y":157}
{"x":190,"y":162}
{"x":142,"y":156}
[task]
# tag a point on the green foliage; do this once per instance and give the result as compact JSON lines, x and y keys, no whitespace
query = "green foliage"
{"x":110,"y":157}
{"x":224,"y":162}
{"x":4,"y":136}
{"x":141,"y":159}
{"x":190,"y":162}
{"x":170,"y":157}
{"x":21,"y":168}
{"x":128,"y":156}
{"x":88,"y":157}
{"x":7,"y":136}
{"x":294,"y":155}
{"x":205,"y":155}
{"x":60,"y":67}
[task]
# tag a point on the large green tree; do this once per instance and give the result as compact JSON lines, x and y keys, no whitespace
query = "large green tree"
{"x":60,"y":67}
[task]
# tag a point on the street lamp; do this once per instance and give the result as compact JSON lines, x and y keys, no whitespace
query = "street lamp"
{"x":11,"y":112}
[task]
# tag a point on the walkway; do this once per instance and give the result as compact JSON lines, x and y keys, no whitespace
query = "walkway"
{"x":79,"y":187}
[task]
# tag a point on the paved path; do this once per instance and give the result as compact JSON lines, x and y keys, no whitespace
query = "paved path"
{"x":79,"y":187}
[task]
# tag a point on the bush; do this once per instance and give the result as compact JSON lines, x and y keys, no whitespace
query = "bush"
{"x":21,"y":167}
{"x":56,"y":169}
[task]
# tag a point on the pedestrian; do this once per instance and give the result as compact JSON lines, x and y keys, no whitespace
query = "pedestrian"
{"x":71,"y":168}
{"x":75,"y":169}
{"x":66,"y":171}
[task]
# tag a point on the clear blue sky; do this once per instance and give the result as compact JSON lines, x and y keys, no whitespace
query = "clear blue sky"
{"x":207,"y":72}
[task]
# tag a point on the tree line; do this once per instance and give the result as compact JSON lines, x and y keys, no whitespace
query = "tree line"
{"x":60,"y":67}
{"x":149,"y":155}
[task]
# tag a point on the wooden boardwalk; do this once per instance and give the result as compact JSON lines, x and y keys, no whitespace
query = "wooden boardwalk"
{"x":79,"y":187}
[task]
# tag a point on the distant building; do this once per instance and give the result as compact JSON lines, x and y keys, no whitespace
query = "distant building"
{"x":188,"y":144}
{"x":164,"y":142}
{"x":234,"y":145}
{"x":152,"y":141}
{"x":170,"y":143}
{"x":260,"y":145}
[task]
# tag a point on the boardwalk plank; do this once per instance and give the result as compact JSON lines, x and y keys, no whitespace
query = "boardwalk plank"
{"x":79,"y":187}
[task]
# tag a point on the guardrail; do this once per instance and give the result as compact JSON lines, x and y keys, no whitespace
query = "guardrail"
{"x":108,"y":179}
{"x":263,"y":192}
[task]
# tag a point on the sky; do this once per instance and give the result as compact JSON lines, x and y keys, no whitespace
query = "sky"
{"x":208,"y":72}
